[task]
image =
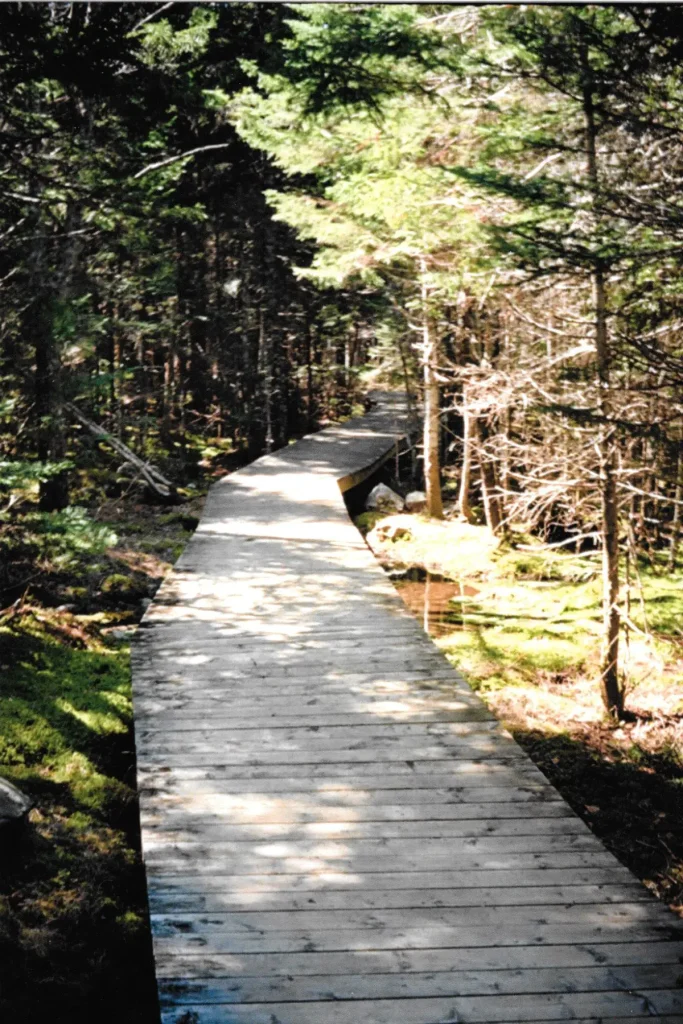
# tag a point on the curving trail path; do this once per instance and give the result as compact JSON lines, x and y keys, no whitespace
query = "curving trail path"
{"x":335,"y":831}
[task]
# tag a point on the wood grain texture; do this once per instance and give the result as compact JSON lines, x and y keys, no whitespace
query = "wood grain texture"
{"x":335,"y":830}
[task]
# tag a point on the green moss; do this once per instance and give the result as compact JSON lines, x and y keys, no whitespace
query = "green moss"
{"x":184,"y":520}
{"x":663,"y":596}
{"x":134,"y":527}
{"x":117,"y":584}
{"x":535,"y":612}
{"x":162,"y":546}
{"x":512,"y":562}
{"x":367,"y":521}
{"x":72,"y":925}
{"x":125,"y":588}
{"x":59,"y":708}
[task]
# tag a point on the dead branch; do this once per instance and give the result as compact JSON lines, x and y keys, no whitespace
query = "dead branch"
{"x":155,"y":480}
{"x":179,"y":156}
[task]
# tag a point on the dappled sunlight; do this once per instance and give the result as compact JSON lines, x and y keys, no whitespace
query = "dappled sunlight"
{"x":317,"y":782}
{"x":104,"y":721}
{"x":204,"y":800}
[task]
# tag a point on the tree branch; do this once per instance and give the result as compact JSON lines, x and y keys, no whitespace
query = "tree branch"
{"x":159,"y":10}
{"x":180,"y":156}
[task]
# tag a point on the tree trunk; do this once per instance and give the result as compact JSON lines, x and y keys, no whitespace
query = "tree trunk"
{"x":468,"y":431}
{"x":489,"y":483}
{"x":266,"y":361}
{"x":167,"y":394}
{"x":51,"y":432}
{"x":310,"y":396}
{"x":191,"y":285}
{"x":676,"y":520}
{"x":432,"y":410}
{"x":413,"y":417}
{"x":612,"y":691}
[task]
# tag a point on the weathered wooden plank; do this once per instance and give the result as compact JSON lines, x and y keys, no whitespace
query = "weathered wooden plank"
{"x":174,"y":713}
{"x":162,"y":858}
{"x":331,"y":879}
{"x":313,"y":702}
{"x":606,"y":956}
{"x":606,"y":1007}
{"x":421,"y":984}
{"x":465,"y":748}
{"x":435,"y":937}
{"x":257,"y":783}
{"x":201,"y":668}
{"x":172,"y":721}
{"x":258,"y":788}
{"x":431,"y":1012}
{"x":241,"y":645}
{"x":312,"y":737}
{"x":212,"y":804}
{"x":307,"y":673}
{"x":314,"y":920}
{"x":452,"y":772}
{"x":168,"y":900}
{"x":187,"y":828}
{"x":179,"y":720}
{"x":453,"y":849}
{"x":229,"y":684}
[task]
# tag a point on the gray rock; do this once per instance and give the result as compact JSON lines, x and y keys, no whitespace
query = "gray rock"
{"x":122,"y":632}
{"x":382,"y":496}
{"x":416,"y":501}
{"x":14,"y":805}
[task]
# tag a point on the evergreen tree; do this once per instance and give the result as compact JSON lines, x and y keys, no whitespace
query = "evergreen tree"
{"x":383,"y":210}
{"x":602,"y":82}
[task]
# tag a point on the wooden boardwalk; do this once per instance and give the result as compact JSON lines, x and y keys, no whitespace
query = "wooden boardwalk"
{"x":335,"y":831}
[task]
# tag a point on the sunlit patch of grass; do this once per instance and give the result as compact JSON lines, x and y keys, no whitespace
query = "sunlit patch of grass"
{"x":663,"y":598}
{"x":451,"y":547}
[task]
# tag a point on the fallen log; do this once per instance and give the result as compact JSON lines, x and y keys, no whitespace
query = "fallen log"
{"x":155,"y":480}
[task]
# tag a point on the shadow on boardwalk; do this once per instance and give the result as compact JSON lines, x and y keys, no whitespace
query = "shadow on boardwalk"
{"x":334,"y":828}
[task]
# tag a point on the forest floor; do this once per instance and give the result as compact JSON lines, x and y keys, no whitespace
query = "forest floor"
{"x":523,"y":626}
{"x":74,"y":936}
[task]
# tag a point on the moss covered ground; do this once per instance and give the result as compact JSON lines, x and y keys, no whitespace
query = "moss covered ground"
{"x":528,"y":641}
{"x":74,"y":935}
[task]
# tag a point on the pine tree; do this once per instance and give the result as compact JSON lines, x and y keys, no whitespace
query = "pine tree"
{"x":601,"y":81}
{"x":369,"y":187}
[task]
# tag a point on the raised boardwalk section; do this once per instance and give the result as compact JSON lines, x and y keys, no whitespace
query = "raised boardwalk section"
{"x":335,"y":831}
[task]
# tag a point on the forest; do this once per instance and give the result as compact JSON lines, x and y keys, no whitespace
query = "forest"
{"x":222,"y":226}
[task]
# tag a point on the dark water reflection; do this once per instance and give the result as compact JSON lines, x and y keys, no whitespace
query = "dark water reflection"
{"x":441,"y":604}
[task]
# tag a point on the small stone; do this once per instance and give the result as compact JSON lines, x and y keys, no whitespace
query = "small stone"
{"x":416,"y":501}
{"x":121,"y":632}
{"x":65,"y":608}
{"x":14,"y":805}
{"x":382,"y":496}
